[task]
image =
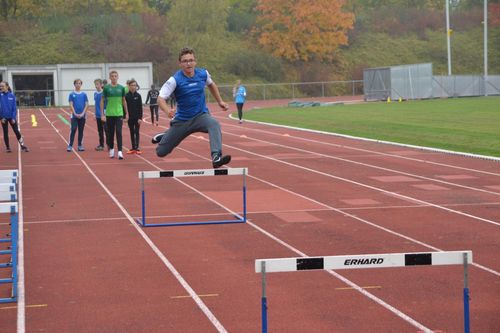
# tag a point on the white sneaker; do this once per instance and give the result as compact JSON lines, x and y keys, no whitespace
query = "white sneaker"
{"x":120,"y":155}
{"x":111,"y":153}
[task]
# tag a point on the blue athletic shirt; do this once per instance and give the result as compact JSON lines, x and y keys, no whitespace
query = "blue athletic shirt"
{"x":79,"y":99}
{"x":8,"y":106}
{"x":240,"y":95}
{"x":189,"y":92}
{"x":97,"y":101}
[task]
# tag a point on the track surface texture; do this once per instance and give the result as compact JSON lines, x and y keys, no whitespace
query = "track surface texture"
{"x":88,"y":267}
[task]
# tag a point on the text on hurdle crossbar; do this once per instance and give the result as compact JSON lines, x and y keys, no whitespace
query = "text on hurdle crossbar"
{"x":362,"y":261}
{"x":193,"y":173}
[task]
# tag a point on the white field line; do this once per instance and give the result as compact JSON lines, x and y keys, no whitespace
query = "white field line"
{"x":21,"y":298}
{"x":344,"y":212}
{"x":405,"y":197}
{"x":378,"y":167}
{"x":339,"y":210}
{"x":387,"y":306}
{"x":206,"y":311}
{"x":350,"y":283}
{"x":491,"y":158}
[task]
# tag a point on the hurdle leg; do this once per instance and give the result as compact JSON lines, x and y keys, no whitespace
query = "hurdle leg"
{"x":264,"y":298}
{"x":466,"y":297}
{"x":244,"y":196}
{"x":15,"y":237}
{"x":143,"y":198}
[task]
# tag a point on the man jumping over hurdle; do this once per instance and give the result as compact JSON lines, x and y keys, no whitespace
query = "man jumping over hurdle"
{"x":192,"y":115}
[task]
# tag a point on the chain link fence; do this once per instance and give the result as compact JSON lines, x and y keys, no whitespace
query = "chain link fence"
{"x":267,"y":91}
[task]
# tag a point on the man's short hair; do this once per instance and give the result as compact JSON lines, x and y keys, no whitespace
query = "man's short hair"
{"x":185,"y":50}
{"x":98,"y":81}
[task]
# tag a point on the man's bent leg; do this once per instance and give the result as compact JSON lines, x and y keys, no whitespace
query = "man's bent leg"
{"x":177,"y":132}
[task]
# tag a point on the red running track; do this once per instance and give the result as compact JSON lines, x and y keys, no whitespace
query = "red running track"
{"x":89,"y":268}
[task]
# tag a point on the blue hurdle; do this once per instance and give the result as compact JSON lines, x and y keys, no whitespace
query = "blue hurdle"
{"x":8,"y":205}
{"x":192,"y":173}
{"x":464,"y":258}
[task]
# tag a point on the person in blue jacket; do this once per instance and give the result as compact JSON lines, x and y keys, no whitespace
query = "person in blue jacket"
{"x":8,"y":115}
{"x":78,"y":103}
{"x":192,"y":115}
{"x":239,"y":94}
{"x":101,"y":125}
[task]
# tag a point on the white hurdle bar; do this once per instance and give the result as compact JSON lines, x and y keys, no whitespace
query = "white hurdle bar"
{"x":464,"y":258}
{"x":8,"y":207}
{"x":8,"y":176}
{"x":8,"y":187}
{"x":9,"y":173}
{"x":192,"y":173}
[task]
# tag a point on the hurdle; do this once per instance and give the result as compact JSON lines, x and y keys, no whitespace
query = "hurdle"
{"x":8,"y":176}
{"x":8,"y":193}
{"x":464,"y":258}
{"x":192,"y":173}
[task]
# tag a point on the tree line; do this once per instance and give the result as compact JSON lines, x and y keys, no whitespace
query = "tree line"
{"x":253,"y":40}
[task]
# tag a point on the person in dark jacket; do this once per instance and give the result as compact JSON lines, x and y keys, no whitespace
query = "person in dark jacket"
{"x":134,"y":106}
{"x":8,"y":115}
{"x":153,"y":104}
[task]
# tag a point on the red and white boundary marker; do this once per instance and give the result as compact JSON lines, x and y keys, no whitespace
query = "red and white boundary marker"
{"x":464,"y":258}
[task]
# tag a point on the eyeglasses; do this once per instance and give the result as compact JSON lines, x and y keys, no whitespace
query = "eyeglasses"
{"x":187,"y":61}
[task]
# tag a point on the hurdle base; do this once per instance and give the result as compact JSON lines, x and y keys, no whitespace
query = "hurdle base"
{"x":177,"y":224}
{"x":8,"y":300}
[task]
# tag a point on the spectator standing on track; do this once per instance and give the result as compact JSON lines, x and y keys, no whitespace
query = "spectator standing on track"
{"x":116,"y":110}
{"x":8,"y":115}
{"x":78,"y":103}
{"x":101,"y":125}
{"x":134,"y":106}
{"x":153,"y":103}
{"x":192,"y":115}
{"x":239,"y":95}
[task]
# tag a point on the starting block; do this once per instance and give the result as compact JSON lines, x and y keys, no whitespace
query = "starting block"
{"x":192,"y":173}
{"x":464,"y":258}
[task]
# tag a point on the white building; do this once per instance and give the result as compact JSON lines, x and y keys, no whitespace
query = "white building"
{"x":37,"y":85}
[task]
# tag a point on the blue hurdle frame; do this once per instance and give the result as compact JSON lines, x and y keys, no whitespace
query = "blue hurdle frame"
{"x":171,"y":174}
{"x":12,"y":238}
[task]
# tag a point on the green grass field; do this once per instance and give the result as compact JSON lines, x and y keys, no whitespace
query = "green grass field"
{"x":470,"y":125}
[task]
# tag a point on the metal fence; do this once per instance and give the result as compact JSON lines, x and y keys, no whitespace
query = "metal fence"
{"x":465,"y":85}
{"x":417,"y":82}
{"x":266,"y":91}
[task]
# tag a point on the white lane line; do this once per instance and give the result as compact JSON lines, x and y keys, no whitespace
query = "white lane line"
{"x":356,"y":138}
{"x":398,"y":195}
{"x":379,"y":301}
{"x":345,"y":213}
{"x":21,"y":299}
{"x":353,"y":285}
{"x":206,"y":311}
{"x":350,"y":283}
{"x":379,"y":167}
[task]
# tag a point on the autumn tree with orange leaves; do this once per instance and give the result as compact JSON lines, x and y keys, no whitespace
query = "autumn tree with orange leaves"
{"x":302,"y":30}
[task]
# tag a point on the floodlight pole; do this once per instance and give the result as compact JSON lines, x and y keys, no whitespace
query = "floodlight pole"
{"x":485,"y":29}
{"x":448,"y":33}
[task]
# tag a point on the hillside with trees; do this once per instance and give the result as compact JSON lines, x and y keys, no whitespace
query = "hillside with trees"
{"x":254,"y":40}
